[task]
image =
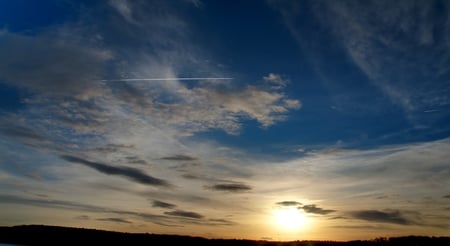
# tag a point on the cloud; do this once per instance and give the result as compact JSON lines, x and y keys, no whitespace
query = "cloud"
{"x":396,"y":64}
{"x":118,"y":220}
{"x":186,"y":214}
{"x":313,"y":209}
{"x":196,"y":3}
{"x":131,"y":173}
{"x":276,"y":79}
{"x":190,"y":176}
{"x":131,"y":121}
{"x":108,"y":148}
{"x":389,"y":216}
{"x":392,"y":44}
{"x":160,"y":204}
{"x":75,"y":206}
{"x":59,"y":65}
{"x":222,"y":222}
{"x":50,"y":203}
{"x":124,"y":9}
{"x":289,"y":203}
{"x":20,"y":132}
{"x":205,"y":107}
{"x":135,"y":160}
{"x":179,"y":158}
{"x":267,"y":107}
{"x":49,"y":64}
{"x":82,"y":217}
{"x":230,"y":187}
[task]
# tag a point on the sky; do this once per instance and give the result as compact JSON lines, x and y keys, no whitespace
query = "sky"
{"x":273,"y":120}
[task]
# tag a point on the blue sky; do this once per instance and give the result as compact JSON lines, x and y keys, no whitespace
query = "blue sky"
{"x":336,"y":110}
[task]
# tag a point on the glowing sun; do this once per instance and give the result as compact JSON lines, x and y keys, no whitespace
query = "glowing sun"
{"x":290,"y":218}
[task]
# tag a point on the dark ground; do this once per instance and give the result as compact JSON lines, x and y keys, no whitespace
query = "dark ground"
{"x":54,"y":235}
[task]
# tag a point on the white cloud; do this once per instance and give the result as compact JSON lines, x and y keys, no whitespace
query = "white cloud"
{"x":276,"y":79}
{"x":168,"y":105}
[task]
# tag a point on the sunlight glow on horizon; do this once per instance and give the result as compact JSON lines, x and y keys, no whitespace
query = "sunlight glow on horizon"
{"x":290,"y":218}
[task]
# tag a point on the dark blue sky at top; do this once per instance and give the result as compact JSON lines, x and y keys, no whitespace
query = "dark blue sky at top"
{"x":29,"y":16}
{"x":341,"y":105}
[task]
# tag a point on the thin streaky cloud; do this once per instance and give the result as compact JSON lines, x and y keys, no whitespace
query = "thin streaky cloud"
{"x":289,"y":203}
{"x":313,"y":209}
{"x":160,"y":204}
{"x":162,"y":79}
{"x":393,"y":217}
{"x":230,"y":187}
{"x":187,"y":214}
{"x":117,"y":220}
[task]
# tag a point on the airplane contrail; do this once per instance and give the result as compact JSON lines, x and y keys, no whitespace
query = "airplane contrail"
{"x":162,"y":79}
{"x":431,"y":110}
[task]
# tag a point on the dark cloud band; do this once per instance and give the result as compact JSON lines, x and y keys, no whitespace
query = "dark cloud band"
{"x":313,"y":209}
{"x":186,"y":214}
{"x":393,"y":217}
{"x":128,"y":172}
{"x":230,"y":187}
{"x":160,"y":204}
{"x":289,"y":203}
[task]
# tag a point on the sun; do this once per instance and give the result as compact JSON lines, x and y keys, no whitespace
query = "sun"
{"x":290,"y":218}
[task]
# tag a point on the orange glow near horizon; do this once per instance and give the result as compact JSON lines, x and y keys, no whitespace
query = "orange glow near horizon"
{"x":290,"y":218}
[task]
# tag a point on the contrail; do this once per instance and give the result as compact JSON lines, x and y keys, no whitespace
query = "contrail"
{"x":162,"y":79}
{"x":431,"y":110}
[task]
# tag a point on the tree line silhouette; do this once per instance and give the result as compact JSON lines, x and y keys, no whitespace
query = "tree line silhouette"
{"x":56,"y":235}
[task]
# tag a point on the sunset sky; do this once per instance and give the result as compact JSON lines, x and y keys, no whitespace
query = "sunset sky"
{"x":275,"y":120}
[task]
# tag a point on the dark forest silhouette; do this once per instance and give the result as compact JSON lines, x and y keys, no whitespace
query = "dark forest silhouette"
{"x":55,"y":235}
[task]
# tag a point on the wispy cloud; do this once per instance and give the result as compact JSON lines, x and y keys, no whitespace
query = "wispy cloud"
{"x":160,"y":204}
{"x":50,"y":203}
{"x":276,"y":79}
{"x":21,"y":132}
{"x":117,"y":220}
{"x":124,"y":9}
{"x":82,"y":217}
{"x":222,"y":222}
{"x":135,"y":160}
{"x":75,"y":206}
{"x":111,"y":148}
{"x":391,"y":72}
{"x":131,"y":173}
{"x":313,"y":209}
{"x":40,"y":63}
{"x":166,"y":79}
{"x":390,"y":43}
{"x":179,"y":158}
{"x":186,"y":214}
